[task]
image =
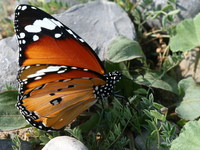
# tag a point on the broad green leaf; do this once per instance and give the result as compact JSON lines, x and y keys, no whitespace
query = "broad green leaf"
{"x":124,"y":49}
{"x":122,"y":67}
{"x":10,"y":118}
{"x":157,"y":80}
{"x":189,"y":137}
{"x":187,"y":35}
{"x":189,"y":108}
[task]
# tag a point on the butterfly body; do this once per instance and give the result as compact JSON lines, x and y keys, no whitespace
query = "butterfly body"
{"x":60,"y":76}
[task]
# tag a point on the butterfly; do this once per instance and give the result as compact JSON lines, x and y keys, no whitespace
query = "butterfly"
{"x":60,"y":75}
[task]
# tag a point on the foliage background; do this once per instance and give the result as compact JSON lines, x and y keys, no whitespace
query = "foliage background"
{"x":155,"y":106}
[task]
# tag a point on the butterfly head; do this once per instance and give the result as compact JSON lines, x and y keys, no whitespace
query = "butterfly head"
{"x":105,"y":90}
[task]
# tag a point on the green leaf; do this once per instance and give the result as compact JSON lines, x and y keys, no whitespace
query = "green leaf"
{"x":189,"y":137}
{"x":187,"y":35}
{"x":124,"y":49}
{"x":90,"y":124}
{"x":75,"y":132}
{"x":157,"y":115}
{"x":44,"y":139}
{"x":10,"y":118}
{"x":158,"y":106}
{"x":174,"y":12}
{"x":157,"y":80}
{"x":189,"y":107}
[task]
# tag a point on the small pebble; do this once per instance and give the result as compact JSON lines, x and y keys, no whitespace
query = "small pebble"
{"x":64,"y":143}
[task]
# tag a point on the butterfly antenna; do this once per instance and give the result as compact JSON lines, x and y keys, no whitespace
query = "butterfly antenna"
{"x":118,"y":95}
{"x":102,"y":104}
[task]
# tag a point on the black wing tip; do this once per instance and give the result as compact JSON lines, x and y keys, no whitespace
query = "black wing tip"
{"x":21,"y":5}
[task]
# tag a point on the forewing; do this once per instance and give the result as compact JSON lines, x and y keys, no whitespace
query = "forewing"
{"x":44,"y":40}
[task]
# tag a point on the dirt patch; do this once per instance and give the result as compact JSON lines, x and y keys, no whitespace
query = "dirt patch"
{"x":23,"y":134}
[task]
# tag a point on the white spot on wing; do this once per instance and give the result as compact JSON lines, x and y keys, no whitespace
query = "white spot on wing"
{"x":37,"y":78}
{"x":38,"y":24}
{"x":44,"y":71}
{"x":53,"y":68}
{"x":23,"y":41}
{"x":32,"y":28}
{"x":21,"y":35}
{"x":81,"y":40}
{"x":70,"y":32}
{"x":73,"y":67}
{"x":61,"y":71}
{"x":27,"y":67}
{"x":66,"y":80}
{"x":45,"y":23}
{"x":24,"y":80}
{"x":36,"y":74}
{"x":19,"y":7}
{"x":24,"y":7}
{"x":57,"y":35}
{"x":35,"y":38}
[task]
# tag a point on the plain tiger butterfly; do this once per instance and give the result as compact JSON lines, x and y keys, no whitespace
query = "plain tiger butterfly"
{"x":60,"y":75}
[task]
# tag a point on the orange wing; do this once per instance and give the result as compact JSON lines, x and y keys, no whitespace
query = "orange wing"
{"x":44,"y":40}
{"x":66,"y":52}
{"x":31,"y":77}
{"x":56,"y":104}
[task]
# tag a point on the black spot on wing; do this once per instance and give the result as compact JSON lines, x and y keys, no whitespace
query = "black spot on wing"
{"x":56,"y":101}
{"x":70,"y":86}
{"x":52,"y":94}
{"x":59,"y":90}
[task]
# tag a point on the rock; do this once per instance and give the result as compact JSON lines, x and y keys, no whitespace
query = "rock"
{"x":64,"y":143}
{"x":69,"y":2}
{"x":7,"y":145}
{"x":98,"y":23}
{"x":8,"y":63}
{"x":187,"y":66}
{"x":188,"y":9}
